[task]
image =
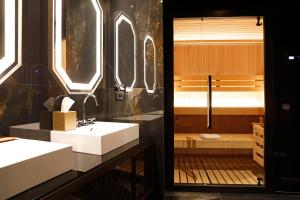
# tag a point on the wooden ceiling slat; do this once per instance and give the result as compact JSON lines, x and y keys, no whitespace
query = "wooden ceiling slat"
{"x":243,"y":28}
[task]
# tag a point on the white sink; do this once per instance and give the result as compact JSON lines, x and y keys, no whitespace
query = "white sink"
{"x":27,"y":163}
{"x":98,"y":138}
{"x":139,"y":118}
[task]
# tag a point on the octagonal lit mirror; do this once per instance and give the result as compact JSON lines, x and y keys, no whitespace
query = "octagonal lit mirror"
{"x":77,"y":44}
{"x":10,"y":37}
{"x":125,"y":52}
{"x":149,"y":64}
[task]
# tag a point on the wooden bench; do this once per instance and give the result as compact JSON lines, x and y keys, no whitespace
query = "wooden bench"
{"x":227,"y":83}
{"x":220,"y":83}
{"x":228,"y":144}
{"x":193,"y":140}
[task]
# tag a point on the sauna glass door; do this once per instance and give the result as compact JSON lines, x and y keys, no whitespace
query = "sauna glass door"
{"x":219,"y":101}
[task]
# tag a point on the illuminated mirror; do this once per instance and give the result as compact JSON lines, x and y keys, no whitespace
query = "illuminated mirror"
{"x":149,"y":64}
{"x":10,"y":37}
{"x":77,"y":44}
{"x":125,"y":52}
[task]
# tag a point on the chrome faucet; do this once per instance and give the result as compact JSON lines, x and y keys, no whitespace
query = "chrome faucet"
{"x":57,"y":98}
{"x":60,"y":96}
{"x":84,"y":121}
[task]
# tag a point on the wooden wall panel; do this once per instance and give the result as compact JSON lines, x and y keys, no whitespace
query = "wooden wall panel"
{"x":221,"y":123}
{"x":221,"y":59}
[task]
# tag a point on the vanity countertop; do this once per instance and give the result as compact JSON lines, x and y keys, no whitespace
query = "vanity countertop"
{"x":87,"y":167}
{"x":149,"y":124}
{"x":30,"y":131}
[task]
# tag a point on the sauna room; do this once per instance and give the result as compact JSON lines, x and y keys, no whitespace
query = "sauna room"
{"x":219,"y":101}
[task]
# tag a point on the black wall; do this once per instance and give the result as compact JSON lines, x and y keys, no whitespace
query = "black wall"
{"x":285,"y":154}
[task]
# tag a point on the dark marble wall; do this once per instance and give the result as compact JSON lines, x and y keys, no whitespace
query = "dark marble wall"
{"x":22,"y":95}
{"x":80,"y":37}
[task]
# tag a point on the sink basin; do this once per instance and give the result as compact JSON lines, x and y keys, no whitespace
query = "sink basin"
{"x":98,"y":138}
{"x":150,"y":125}
{"x":139,"y":118}
{"x":156,"y":112}
{"x":27,"y":163}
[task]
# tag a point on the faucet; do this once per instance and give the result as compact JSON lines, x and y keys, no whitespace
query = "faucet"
{"x":57,"y":98}
{"x":60,"y":96}
{"x":84,"y":121}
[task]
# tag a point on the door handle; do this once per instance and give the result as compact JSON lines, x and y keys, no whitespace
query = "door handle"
{"x":209,"y":108}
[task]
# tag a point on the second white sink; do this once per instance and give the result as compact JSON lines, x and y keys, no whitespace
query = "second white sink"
{"x":27,"y":163}
{"x":98,"y":138}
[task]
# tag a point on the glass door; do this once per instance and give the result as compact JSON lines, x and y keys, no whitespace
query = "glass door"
{"x":219,"y":101}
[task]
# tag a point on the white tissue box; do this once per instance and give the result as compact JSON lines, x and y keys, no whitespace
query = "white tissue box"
{"x":64,"y":121}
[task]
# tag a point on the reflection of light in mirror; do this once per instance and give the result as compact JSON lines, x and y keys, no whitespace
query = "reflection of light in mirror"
{"x":219,"y":99}
{"x":122,"y":17}
{"x":57,"y":50}
{"x":9,"y":35}
{"x":145,"y":62}
{"x":10,"y":38}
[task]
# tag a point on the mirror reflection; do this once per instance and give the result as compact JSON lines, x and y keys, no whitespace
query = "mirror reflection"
{"x":1,"y":29}
{"x":10,"y":37}
{"x":125,"y":52}
{"x":149,"y":64}
{"x":78,"y":44}
{"x":77,"y":54}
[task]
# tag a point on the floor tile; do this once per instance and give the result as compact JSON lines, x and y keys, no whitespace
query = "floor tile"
{"x":192,"y":196}
{"x":227,"y":196}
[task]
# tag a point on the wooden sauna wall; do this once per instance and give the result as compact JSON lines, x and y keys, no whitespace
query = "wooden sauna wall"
{"x":220,"y":123}
{"x":219,"y":59}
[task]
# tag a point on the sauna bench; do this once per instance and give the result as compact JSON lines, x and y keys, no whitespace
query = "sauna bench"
{"x":227,"y":141}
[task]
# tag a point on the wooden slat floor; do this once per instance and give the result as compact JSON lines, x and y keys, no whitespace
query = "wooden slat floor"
{"x":196,"y":169}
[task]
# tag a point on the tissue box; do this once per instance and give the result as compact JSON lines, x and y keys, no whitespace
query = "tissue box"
{"x":64,"y":121}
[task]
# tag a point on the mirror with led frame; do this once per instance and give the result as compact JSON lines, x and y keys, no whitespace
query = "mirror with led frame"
{"x":77,"y":44}
{"x":125,"y":52}
{"x":10,"y":37}
{"x":149,"y":64}
{"x":1,"y":28}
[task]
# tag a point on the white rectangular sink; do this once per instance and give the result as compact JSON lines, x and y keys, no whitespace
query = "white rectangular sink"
{"x":98,"y":138}
{"x":139,"y":118}
{"x":27,"y":163}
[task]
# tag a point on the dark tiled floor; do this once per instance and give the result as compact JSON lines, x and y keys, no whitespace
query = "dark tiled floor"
{"x":227,"y":196}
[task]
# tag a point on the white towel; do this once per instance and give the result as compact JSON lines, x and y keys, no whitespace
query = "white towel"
{"x":209,"y":136}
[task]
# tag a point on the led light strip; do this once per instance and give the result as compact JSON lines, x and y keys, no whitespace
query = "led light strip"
{"x":148,"y":37}
{"x":58,"y":69}
{"x":122,"y":17}
{"x":220,"y":99}
{"x":10,"y":38}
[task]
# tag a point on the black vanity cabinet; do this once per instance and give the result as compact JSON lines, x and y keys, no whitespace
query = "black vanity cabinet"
{"x":124,"y":173}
